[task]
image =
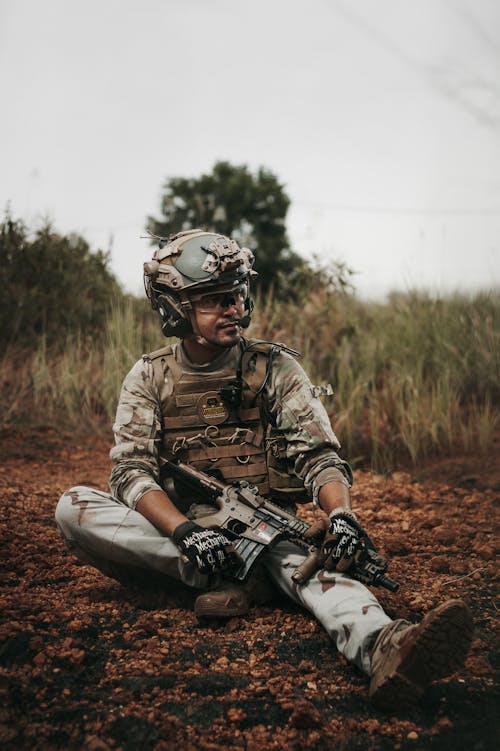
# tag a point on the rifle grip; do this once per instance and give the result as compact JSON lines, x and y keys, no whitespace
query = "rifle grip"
{"x":308,"y":567}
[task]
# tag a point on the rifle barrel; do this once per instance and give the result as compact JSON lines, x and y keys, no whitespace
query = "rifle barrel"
{"x":388,"y":583}
{"x":190,"y":474}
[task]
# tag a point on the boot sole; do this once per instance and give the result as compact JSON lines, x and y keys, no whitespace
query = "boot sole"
{"x":438,"y":649}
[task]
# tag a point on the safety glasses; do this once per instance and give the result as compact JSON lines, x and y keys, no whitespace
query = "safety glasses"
{"x":221,"y":300}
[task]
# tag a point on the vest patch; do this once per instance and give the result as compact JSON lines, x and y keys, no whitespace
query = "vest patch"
{"x":211,"y":409}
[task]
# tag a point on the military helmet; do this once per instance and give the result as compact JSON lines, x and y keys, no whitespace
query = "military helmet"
{"x":190,"y":264}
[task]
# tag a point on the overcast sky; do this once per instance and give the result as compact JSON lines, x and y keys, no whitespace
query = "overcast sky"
{"x":380,"y":117}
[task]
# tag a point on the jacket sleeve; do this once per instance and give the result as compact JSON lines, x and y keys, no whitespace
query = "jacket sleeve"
{"x":137,"y":430}
{"x":311,"y":444}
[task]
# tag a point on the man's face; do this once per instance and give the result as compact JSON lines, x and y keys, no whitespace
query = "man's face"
{"x":218,"y":315}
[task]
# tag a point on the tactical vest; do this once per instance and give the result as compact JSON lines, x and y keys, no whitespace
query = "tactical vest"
{"x":232,"y":438}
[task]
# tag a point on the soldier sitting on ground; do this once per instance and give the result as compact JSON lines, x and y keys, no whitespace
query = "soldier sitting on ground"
{"x":243,"y":410}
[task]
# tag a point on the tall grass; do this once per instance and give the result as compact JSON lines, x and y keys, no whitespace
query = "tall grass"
{"x":77,"y":384}
{"x":414,"y":377}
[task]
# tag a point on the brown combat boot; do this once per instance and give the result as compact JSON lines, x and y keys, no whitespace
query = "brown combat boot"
{"x":231,"y":599}
{"x":225,"y":601}
{"x":406,"y":658}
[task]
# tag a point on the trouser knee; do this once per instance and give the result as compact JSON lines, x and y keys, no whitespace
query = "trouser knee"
{"x":69,"y":510}
{"x":63,"y":514}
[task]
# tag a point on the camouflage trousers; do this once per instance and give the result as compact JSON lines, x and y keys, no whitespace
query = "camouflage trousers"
{"x":109,"y":535}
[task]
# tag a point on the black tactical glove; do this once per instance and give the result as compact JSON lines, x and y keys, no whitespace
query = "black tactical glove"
{"x":207,"y":549}
{"x":343,"y":540}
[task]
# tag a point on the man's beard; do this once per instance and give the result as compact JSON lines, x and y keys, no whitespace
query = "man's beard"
{"x":230,"y":339}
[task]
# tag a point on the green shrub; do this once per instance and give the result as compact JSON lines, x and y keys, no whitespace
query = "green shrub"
{"x":52,"y":285}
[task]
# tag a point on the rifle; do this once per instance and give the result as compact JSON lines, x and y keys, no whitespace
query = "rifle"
{"x":253,"y":523}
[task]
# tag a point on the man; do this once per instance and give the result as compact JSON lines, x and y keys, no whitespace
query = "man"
{"x":241,"y":409}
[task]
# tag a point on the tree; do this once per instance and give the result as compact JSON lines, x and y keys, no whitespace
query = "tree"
{"x":51,"y":284}
{"x":233,"y":201}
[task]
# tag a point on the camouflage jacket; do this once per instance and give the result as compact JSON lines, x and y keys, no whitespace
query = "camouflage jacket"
{"x":288,"y":399}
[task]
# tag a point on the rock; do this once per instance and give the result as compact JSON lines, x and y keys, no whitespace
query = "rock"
{"x":445,"y":535}
{"x":397,"y":546}
{"x":440,"y":564}
{"x":305,"y":715}
{"x":485,"y":552}
{"x":459,"y":567}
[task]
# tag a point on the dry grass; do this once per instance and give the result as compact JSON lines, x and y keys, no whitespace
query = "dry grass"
{"x":415,"y":376}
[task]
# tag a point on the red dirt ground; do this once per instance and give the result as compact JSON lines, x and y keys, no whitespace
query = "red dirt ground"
{"x":84,"y":664}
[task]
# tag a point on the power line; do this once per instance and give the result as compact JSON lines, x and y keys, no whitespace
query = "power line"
{"x":341,"y":208}
{"x":471,"y":22}
{"x":452,"y":88}
{"x":402,"y":210}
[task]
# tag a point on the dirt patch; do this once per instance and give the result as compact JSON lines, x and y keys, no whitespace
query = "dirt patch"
{"x":85,"y":664}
